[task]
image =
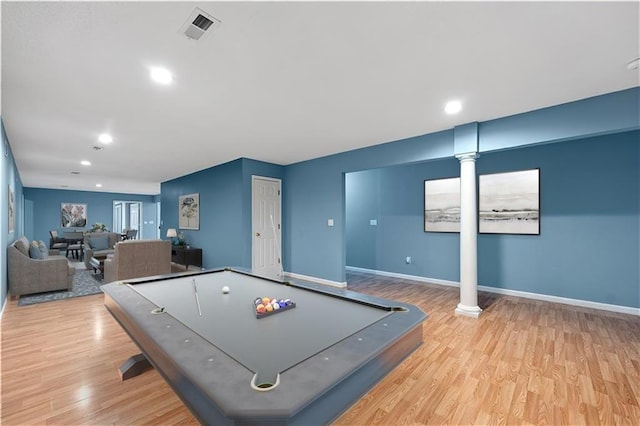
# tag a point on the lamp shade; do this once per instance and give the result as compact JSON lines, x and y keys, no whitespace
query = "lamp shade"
{"x":171,"y":233}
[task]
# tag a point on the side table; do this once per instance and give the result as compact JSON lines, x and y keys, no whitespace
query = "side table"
{"x":186,"y":255}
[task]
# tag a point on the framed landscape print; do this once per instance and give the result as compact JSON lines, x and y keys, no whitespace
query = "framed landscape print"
{"x":510,"y":203}
{"x":73,"y":215}
{"x":189,"y":211}
{"x":442,"y":205}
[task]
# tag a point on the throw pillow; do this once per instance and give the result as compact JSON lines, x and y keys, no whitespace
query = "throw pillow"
{"x":44,"y":251}
{"x":34,"y":251}
{"x":22,"y":244}
{"x":99,"y":243}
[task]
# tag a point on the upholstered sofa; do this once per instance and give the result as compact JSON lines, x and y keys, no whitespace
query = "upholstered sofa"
{"x":99,"y":243}
{"x":28,"y":275}
{"x":138,"y":258}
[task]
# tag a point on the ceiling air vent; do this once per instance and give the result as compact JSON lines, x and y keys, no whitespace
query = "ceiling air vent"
{"x":198,"y":24}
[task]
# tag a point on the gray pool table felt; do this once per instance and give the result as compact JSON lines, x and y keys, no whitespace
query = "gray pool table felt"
{"x":266,"y":346}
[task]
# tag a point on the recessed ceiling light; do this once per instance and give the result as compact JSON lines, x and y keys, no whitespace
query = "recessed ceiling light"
{"x":85,"y":163}
{"x":98,"y":185}
{"x":453,"y":107}
{"x":105,"y":138}
{"x":75,"y":173}
{"x":161,"y":75}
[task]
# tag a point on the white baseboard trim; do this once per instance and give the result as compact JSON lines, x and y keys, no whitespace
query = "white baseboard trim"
{"x":316,"y":280}
{"x":406,"y":277}
{"x":507,"y":292}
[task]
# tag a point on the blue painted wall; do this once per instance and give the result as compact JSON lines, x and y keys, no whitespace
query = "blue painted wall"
{"x":9,"y":181}
{"x":315,"y":194}
{"x":589,"y":245}
{"x":149,"y":219}
{"x":46,"y":208}
{"x":225,"y":209}
{"x":396,"y":195}
{"x":315,"y":190}
{"x":220,"y":233}
{"x":362,"y":201}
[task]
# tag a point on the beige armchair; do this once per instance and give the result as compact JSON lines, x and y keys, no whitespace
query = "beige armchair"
{"x":138,"y":258}
{"x":28,"y":276}
{"x":105,"y":248}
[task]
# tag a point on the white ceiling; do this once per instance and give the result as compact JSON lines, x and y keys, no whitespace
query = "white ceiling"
{"x":283,"y":82}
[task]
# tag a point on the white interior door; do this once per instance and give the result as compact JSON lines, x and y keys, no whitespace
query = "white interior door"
{"x":266,"y":226}
{"x":134,"y":216}
{"x":117,"y":216}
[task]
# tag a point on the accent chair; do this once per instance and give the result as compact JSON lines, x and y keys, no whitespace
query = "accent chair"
{"x":138,"y":258}
{"x":99,"y":243}
{"x":56,"y":242}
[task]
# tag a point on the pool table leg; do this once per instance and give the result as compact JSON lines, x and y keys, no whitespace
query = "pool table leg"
{"x":134,"y":366}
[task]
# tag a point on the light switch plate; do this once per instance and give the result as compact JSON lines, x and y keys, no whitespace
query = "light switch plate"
{"x":330,"y":222}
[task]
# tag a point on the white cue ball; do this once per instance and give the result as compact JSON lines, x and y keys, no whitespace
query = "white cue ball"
{"x":225,"y":289}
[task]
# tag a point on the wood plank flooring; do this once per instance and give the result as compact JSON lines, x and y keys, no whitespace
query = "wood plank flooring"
{"x":522,"y":362}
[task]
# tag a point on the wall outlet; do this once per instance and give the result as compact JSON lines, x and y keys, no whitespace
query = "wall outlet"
{"x":408,"y":260}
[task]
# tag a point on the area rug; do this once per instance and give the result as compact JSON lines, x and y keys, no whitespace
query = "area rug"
{"x":85,"y":283}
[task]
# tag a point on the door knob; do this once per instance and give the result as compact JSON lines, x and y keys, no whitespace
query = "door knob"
{"x":257,"y":234}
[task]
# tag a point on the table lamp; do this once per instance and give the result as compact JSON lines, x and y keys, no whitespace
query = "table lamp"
{"x":171,"y":233}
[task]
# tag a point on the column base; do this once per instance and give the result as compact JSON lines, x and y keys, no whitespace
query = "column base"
{"x":468,"y":311}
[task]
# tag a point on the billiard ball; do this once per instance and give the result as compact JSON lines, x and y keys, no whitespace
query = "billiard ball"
{"x":268,"y":307}
{"x":260,"y":309}
{"x":225,"y":289}
{"x":257,"y":301}
{"x":266,"y":300}
{"x":275,"y":306}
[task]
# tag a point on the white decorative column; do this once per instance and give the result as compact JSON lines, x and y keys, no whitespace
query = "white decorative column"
{"x":468,"y":237}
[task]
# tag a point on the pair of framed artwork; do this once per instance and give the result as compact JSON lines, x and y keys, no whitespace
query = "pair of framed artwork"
{"x":508,"y":203}
{"x":74,"y":215}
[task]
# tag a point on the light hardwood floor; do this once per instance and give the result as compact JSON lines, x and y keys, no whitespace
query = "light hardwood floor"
{"x":521,"y":362}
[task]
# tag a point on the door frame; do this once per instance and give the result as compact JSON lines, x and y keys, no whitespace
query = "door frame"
{"x":125,"y":211}
{"x":279,"y":230}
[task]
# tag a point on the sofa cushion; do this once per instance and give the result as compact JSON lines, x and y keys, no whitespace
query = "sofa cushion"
{"x":99,"y":242}
{"x":34,"y":251}
{"x":22,"y":244}
{"x":44,"y":251}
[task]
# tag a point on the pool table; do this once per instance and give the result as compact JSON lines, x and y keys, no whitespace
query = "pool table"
{"x":302,"y":365}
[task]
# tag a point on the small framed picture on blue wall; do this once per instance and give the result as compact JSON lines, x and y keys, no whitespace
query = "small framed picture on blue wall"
{"x":189,"y":211}
{"x":73,"y":215}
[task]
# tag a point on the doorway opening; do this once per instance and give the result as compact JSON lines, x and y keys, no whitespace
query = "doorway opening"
{"x":127,"y":215}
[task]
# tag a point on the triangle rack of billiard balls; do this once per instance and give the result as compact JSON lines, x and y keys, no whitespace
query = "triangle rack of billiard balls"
{"x":265,"y":306}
